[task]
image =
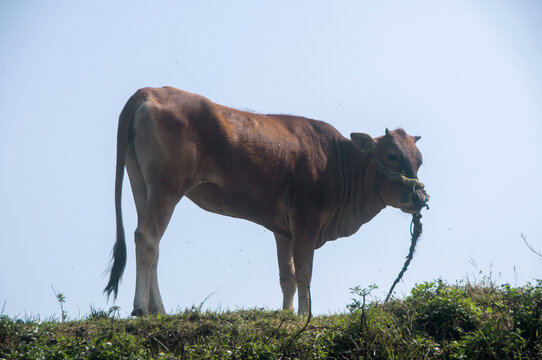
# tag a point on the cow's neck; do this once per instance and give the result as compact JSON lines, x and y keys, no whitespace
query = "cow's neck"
{"x":358,"y":198}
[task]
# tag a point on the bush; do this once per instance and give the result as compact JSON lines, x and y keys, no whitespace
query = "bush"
{"x":443,"y":311}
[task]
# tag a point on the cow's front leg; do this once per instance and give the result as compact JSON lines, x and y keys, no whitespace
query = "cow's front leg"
{"x":303,"y":253}
{"x":286,"y":271}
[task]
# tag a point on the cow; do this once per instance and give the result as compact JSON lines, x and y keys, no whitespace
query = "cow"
{"x":297,"y":177}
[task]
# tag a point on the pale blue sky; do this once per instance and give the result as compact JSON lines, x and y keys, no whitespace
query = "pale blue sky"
{"x":465,"y":75}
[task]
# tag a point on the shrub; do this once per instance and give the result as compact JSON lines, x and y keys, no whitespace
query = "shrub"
{"x":443,"y":311}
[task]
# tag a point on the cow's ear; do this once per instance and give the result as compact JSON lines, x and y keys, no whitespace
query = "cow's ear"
{"x":363,"y":142}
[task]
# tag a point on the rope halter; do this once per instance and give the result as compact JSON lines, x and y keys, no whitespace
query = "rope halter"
{"x":401,"y":178}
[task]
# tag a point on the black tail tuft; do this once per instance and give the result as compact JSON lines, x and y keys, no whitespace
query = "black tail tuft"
{"x":118,"y":259}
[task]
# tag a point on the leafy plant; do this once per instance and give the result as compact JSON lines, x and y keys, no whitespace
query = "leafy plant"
{"x":61,"y":300}
{"x":443,"y":311}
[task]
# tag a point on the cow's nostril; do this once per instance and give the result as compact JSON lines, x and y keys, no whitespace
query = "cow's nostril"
{"x":420,"y":196}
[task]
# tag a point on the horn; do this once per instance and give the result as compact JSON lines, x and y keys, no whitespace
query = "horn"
{"x":387,"y":132}
{"x":416,"y":138}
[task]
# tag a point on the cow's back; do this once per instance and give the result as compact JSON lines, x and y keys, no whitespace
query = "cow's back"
{"x":233,"y":162}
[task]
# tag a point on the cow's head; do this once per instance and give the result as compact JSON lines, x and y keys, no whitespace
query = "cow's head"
{"x":398,"y":160}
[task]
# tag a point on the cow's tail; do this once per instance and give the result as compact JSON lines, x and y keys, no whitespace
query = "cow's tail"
{"x":118,"y":254}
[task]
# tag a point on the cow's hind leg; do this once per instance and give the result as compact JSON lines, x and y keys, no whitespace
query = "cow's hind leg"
{"x":151,"y":226}
{"x":286,"y":271}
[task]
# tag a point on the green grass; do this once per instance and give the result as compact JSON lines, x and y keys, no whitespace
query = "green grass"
{"x":436,"y":321}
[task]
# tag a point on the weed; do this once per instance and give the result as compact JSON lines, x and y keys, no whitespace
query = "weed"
{"x":61,"y":300}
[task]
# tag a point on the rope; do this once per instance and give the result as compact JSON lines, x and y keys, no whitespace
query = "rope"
{"x":415,"y":225}
{"x":415,"y":232}
{"x":398,"y":176}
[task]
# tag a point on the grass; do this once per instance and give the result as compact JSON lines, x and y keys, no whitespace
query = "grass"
{"x":436,"y":321}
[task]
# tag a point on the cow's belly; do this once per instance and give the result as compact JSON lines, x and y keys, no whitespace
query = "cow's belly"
{"x":253,"y":207}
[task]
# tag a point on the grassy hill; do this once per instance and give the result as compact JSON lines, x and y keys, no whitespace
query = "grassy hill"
{"x":436,"y":321}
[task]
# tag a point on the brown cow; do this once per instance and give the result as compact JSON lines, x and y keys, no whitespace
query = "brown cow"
{"x":297,"y":177}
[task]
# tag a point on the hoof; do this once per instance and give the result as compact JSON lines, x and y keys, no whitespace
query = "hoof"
{"x":137,"y":312}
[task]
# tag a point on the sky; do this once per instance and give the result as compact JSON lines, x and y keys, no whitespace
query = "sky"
{"x":463,"y":75}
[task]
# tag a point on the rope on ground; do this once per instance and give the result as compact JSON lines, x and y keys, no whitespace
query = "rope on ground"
{"x":296,"y":335}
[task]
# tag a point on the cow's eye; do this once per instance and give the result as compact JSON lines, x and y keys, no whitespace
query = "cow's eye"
{"x":392,"y":157}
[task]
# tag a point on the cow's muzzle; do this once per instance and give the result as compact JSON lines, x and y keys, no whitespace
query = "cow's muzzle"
{"x":421,"y":197}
